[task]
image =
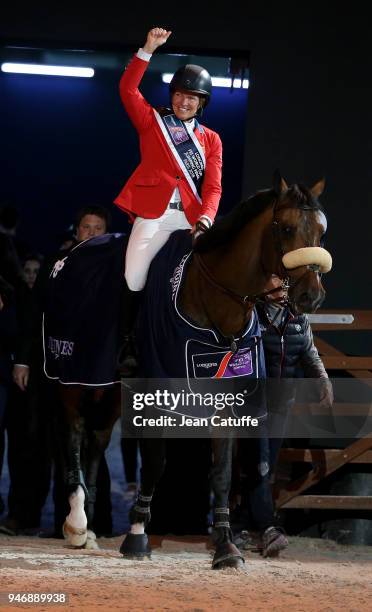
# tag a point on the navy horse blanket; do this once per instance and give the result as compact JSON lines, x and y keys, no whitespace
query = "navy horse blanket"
{"x":82,"y":310}
{"x":172,"y":346}
{"x":81,"y":324}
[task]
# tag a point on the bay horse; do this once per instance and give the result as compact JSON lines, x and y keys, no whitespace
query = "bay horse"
{"x":81,"y":340}
{"x":84,"y":435}
{"x":276,"y":231}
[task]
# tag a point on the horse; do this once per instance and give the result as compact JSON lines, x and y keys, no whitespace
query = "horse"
{"x":276,"y":231}
{"x":81,"y":339}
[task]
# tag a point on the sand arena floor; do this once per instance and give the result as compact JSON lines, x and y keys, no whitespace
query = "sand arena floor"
{"x":312,"y":575}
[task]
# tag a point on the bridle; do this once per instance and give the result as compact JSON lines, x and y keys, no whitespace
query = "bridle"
{"x":244,"y":300}
{"x":249,"y":300}
{"x":275,"y":224}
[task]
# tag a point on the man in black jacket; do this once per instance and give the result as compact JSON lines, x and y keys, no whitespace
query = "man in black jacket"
{"x":288,"y":345}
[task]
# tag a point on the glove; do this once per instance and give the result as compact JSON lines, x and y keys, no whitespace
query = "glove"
{"x":201,"y":226}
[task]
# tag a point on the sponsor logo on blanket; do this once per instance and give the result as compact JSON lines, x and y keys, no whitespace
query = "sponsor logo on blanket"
{"x":60,"y":347}
{"x":177,"y":274}
{"x":58,"y":266}
{"x":223,"y":364}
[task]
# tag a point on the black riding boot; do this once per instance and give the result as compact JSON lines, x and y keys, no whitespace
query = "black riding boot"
{"x":127,"y":355}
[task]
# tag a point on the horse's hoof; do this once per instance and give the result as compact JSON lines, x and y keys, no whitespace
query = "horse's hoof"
{"x":227,"y":555}
{"x":91,"y":543}
{"x":75,"y":536}
{"x":135,"y":546}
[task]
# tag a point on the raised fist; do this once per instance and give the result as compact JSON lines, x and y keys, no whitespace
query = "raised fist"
{"x":155,"y":38}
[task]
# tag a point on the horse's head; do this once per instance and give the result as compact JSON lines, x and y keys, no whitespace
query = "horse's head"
{"x":276,"y":232}
{"x":293,"y":246}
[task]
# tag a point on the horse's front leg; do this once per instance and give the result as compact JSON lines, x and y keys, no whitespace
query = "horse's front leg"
{"x":71,"y":434}
{"x":227,"y":554}
{"x":136,"y":545}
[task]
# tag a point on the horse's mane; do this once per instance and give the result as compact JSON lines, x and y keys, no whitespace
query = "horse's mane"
{"x":225,"y":228}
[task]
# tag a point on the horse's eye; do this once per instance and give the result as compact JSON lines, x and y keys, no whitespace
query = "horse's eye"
{"x":288,"y":231}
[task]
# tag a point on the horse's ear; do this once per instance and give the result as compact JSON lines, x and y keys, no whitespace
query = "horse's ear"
{"x":279,"y":184}
{"x":318,"y":188}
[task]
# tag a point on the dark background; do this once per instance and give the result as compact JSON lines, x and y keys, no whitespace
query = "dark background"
{"x":67,"y":143}
{"x":308,"y":112}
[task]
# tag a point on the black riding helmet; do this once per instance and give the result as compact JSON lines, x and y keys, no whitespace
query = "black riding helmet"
{"x":193,"y":78}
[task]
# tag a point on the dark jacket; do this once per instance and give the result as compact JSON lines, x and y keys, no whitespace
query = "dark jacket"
{"x":10,"y":265}
{"x":288,"y":344}
{"x":8,"y":331}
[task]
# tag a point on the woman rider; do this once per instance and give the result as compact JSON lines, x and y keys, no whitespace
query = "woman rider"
{"x":177,"y":184}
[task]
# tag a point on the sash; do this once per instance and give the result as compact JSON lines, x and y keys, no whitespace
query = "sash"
{"x":186,"y":149}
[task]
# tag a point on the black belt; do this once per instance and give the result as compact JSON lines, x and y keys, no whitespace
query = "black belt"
{"x":176,"y":205}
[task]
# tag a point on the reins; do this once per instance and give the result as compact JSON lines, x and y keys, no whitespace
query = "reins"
{"x":243,"y":300}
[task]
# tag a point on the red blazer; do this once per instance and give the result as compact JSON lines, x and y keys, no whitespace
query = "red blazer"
{"x":150,"y":187}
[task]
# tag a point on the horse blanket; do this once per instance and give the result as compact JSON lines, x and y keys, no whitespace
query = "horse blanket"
{"x":81,"y":316}
{"x":172,"y":346}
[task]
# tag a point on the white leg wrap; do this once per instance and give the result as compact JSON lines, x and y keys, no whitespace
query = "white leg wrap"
{"x":77,"y":517}
{"x":137,"y":528}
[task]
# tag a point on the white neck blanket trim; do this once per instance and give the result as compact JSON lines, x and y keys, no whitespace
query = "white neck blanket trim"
{"x":179,"y":272}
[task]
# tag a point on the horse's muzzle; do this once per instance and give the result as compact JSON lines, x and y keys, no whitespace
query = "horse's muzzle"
{"x":308,"y":301}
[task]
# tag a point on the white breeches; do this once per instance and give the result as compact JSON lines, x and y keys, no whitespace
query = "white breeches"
{"x":146,"y":239}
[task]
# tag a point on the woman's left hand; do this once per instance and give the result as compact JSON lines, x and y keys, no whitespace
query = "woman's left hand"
{"x":199,"y":228}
